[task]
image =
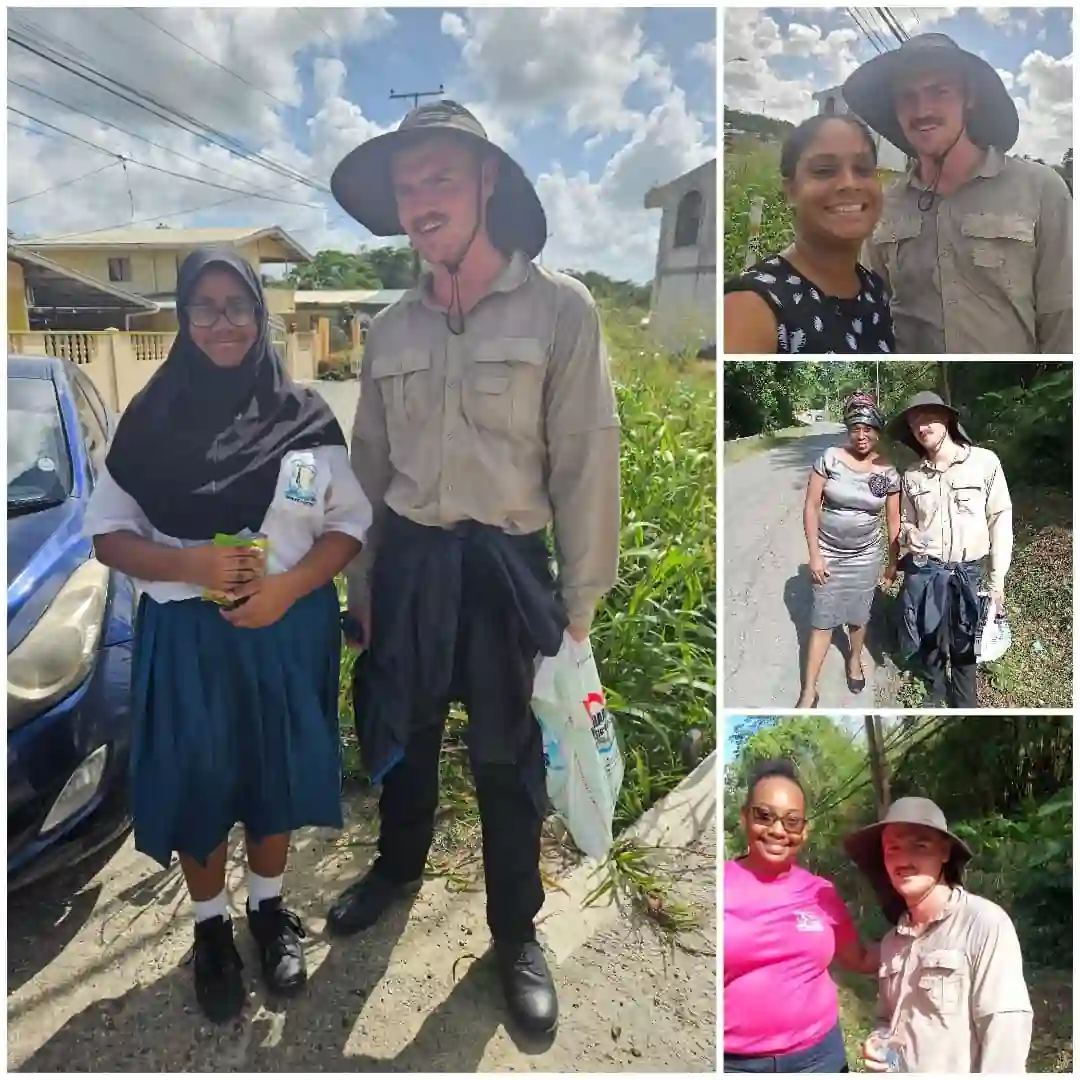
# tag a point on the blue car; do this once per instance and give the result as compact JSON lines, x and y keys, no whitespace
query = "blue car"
{"x":70,"y":629}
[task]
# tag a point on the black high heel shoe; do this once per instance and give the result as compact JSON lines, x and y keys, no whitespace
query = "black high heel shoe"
{"x":856,"y":686}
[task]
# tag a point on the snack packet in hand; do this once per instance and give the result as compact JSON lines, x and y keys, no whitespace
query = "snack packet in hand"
{"x":255,"y":541}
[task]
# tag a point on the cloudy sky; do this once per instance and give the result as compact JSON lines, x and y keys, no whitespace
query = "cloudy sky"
{"x":778,"y":57}
{"x":597,"y":105}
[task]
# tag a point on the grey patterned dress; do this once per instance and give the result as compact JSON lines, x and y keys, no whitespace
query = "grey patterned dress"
{"x":849,"y":539}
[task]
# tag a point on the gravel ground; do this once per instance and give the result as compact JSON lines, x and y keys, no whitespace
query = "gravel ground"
{"x":767,"y":590}
{"x":96,"y":980}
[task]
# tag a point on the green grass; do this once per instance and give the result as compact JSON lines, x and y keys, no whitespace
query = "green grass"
{"x":736,"y":450}
{"x":655,"y":634}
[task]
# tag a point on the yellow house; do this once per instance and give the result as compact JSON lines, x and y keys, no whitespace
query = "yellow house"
{"x":43,"y":294}
{"x":146,"y":262}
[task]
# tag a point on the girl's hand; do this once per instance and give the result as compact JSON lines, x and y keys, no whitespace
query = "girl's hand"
{"x":819,"y":571}
{"x":221,"y":569}
{"x":263,"y":602}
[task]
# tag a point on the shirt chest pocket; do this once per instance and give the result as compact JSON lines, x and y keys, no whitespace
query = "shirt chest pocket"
{"x":504,"y":385}
{"x":893,"y":240}
{"x":404,"y":381}
{"x":890,"y":973}
{"x":301,"y":489}
{"x":1003,"y":246}
{"x":940,"y":980}
{"x":969,"y":499}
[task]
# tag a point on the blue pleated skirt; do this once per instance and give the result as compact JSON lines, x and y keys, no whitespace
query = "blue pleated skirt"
{"x":233,"y":725}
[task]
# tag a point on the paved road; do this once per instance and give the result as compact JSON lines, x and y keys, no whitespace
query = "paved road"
{"x":96,"y":981}
{"x":767,"y":584}
{"x":342,"y":398}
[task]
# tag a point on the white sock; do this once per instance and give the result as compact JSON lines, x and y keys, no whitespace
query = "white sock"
{"x":207,"y":909}
{"x":261,"y":888}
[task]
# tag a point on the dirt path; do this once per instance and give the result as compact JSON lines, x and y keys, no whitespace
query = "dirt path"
{"x":95,"y":980}
{"x":767,"y":590}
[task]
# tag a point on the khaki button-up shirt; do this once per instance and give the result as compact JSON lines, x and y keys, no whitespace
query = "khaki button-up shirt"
{"x":964,"y":511}
{"x":512,"y":424}
{"x":953,"y":993}
{"x":988,"y":269}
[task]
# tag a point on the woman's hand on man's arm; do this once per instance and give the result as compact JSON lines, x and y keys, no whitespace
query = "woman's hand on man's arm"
{"x":859,"y":958}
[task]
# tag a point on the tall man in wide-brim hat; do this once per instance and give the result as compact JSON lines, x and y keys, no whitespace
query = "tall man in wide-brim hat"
{"x":487,"y":415}
{"x":951,"y":988}
{"x":956,"y":528}
{"x":975,"y":246}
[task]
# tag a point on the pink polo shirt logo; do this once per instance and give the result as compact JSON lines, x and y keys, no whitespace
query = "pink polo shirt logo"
{"x":809,"y":923}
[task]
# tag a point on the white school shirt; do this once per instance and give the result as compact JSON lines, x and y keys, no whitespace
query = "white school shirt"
{"x":332,"y":501}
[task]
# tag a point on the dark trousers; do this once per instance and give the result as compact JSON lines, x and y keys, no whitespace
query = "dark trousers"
{"x":511,"y":804}
{"x":953,"y":687}
{"x":826,"y":1056}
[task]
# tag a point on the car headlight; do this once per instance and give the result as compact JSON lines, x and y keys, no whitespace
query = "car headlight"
{"x":58,"y":653}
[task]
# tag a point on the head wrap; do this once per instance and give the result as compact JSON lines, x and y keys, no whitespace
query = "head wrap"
{"x":862,"y":409}
{"x":200,"y":446}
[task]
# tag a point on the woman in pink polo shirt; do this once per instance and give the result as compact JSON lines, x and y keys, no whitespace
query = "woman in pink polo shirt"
{"x":783,"y":927}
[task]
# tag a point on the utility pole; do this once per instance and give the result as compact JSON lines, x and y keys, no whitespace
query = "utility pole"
{"x":877,"y":382}
{"x":416,"y":95}
{"x":879,"y":769}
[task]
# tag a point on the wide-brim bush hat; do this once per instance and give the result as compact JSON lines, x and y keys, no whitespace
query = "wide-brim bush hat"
{"x":870,"y":91}
{"x":898,"y":429}
{"x":363,"y":185}
{"x":863,"y":847}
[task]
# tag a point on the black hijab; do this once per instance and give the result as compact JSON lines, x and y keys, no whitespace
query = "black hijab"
{"x":200,"y":446}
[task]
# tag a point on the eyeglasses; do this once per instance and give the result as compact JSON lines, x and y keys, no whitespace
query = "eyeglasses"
{"x":238,"y":311}
{"x":793,"y":823}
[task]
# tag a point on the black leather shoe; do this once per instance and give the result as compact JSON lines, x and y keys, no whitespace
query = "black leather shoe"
{"x":219,"y":986}
{"x":362,"y":904}
{"x":277,"y":932}
{"x":528,"y":986}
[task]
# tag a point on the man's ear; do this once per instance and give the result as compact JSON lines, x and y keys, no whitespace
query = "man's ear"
{"x":489,"y":174}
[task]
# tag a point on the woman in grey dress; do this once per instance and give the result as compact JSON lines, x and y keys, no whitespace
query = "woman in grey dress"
{"x":848,"y":487}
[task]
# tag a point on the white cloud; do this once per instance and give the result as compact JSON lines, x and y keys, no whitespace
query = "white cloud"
{"x":1046,"y":116}
{"x":1006,"y":77}
{"x":329,"y":77}
{"x":705,"y":51}
{"x":453,"y":26}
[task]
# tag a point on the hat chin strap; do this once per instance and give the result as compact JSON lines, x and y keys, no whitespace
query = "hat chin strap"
{"x":939,"y":162}
{"x":457,"y":328}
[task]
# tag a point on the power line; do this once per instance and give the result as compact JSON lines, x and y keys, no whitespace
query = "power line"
{"x":208,"y":59}
{"x":65,"y":183}
{"x":134,"y":135}
{"x":874,"y":42}
{"x":157,"y":168}
{"x":891,"y":22}
{"x":167,"y":113}
{"x":315,"y":25}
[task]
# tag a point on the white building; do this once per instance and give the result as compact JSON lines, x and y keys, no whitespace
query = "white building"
{"x":831,"y":103}
{"x":683,"y":305}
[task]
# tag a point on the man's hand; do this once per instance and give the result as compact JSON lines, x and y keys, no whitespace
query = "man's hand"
{"x":872,"y":1063}
{"x":999,"y":601}
{"x":222,"y":569}
{"x":265,"y":601}
{"x":360,"y":614}
{"x":889,"y":576}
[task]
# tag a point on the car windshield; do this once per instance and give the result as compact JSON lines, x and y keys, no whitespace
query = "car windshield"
{"x":38,"y":461}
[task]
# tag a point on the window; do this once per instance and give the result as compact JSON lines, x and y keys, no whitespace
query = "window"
{"x":830,"y":106}
{"x":97,"y":405}
{"x":688,"y":220}
{"x":119,"y":269}
{"x":93,"y":432}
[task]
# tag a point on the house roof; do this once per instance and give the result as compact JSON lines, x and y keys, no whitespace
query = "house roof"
{"x":57,"y":286}
{"x":275,"y":244}
{"x":656,"y":196}
{"x":340,"y":297}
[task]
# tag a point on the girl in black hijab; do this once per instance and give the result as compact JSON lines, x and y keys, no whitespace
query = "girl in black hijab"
{"x":234,"y":703}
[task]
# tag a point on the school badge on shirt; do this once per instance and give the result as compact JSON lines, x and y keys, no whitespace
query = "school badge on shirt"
{"x":303,"y":473}
{"x":808,"y":923}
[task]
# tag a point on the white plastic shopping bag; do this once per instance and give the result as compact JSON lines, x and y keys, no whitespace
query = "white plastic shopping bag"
{"x":995,"y":635}
{"x":584,"y":763}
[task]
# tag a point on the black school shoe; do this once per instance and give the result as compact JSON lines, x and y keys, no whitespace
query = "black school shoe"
{"x":277,"y":932}
{"x":365,"y":901}
{"x":528,"y":986}
{"x":219,"y":985}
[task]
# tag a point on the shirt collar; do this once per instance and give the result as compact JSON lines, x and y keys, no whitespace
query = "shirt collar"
{"x":905,"y":927}
{"x":511,"y":277}
{"x":926,"y":466}
{"x":992,"y":165}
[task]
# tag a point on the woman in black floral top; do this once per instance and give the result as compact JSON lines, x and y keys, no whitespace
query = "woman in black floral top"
{"x":816,"y":297}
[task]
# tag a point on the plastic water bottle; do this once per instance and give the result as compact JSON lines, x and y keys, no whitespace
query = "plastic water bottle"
{"x":886,"y":1048}
{"x":918,"y":554}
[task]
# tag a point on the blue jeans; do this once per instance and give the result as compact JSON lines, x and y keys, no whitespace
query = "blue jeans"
{"x":826,"y":1056}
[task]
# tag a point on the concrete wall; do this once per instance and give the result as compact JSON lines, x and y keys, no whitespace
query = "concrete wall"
{"x":18,"y":317}
{"x":121,"y":364}
{"x":684,"y":287}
